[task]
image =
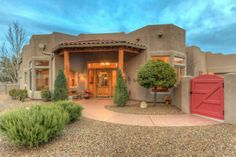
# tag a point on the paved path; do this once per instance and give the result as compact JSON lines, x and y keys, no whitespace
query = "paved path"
{"x":94,"y":109}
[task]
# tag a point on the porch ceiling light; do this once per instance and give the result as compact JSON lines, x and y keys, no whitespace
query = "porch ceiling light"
{"x":106,"y":63}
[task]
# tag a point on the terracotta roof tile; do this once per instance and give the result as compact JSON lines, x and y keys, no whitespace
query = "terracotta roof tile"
{"x":98,"y":41}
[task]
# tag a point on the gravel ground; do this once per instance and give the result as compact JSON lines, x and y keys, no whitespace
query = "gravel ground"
{"x":6,"y":103}
{"x":158,"y":109}
{"x":95,"y":138}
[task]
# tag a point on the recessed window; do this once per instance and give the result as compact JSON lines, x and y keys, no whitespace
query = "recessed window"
{"x":178,"y":60}
{"x":42,"y":79}
{"x":25,"y":77}
{"x":179,"y":73}
{"x":30,"y":75}
{"x":165,"y":59}
{"x":41,"y":63}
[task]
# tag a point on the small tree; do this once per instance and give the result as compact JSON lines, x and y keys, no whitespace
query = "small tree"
{"x":60,"y":87}
{"x":156,"y":74}
{"x":121,"y":93}
{"x":10,"y":53}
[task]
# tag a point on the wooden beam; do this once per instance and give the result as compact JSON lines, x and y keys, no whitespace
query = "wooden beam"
{"x":91,"y":50}
{"x":67,"y":68}
{"x":131,"y":50}
{"x":115,"y":49}
{"x":121,"y":59}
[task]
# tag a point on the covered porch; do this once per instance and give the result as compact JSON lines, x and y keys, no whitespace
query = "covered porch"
{"x":92,"y":64}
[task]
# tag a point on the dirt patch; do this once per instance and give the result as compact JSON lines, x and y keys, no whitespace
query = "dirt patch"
{"x":158,"y":109}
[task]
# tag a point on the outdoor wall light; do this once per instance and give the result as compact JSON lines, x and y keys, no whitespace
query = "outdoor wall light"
{"x":81,"y":76}
{"x":160,"y":34}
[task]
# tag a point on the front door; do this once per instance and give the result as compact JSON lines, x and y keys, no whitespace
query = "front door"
{"x":103,"y":82}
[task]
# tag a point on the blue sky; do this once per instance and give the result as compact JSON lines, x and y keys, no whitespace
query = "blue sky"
{"x":210,"y":24}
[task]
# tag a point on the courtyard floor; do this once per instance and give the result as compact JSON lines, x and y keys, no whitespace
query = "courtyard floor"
{"x":96,"y":109}
{"x":89,"y":137}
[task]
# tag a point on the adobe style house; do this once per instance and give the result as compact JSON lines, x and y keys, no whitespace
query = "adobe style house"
{"x":90,"y":61}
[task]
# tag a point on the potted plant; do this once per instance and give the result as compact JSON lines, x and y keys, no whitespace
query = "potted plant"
{"x":87,"y":94}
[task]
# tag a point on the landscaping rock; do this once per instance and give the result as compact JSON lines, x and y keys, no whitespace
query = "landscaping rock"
{"x":95,"y":138}
{"x":143,"y":104}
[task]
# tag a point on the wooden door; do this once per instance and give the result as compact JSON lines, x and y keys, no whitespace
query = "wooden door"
{"x":207,"y":96}
{"x":103,"y":82}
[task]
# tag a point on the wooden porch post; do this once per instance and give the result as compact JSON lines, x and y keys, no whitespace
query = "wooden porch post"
{"x":121,"y":59}
{"x":67,"y":68}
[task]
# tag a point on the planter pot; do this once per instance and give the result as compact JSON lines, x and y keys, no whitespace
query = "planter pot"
{"x":160,"y":89}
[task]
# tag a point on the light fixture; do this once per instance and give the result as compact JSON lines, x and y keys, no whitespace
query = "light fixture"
{"x":105,"y":63}
{"x":81,"y":76}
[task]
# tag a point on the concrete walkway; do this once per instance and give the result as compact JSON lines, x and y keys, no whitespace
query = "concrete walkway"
{"x":94,"y":109}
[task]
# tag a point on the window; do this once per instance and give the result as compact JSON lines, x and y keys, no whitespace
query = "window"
{"x":42,"y":79}
{"x":25,"y":77}
{"x":178,"y":60}
{"x":103,"y":79}
{"x":41,"y":63}
{"x":39,"y":71}
{"x":30,"y":75}
{"x":179,"y":72}
{"x":165,"y":59}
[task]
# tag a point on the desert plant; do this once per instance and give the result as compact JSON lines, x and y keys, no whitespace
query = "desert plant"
{"x":60,"y":87}
{"x":33,"y":126}
{"x":74,"y":110}
{"x":13,"y":93}
{"x":22,"y":94}
{"x":46,"y":95}
{"x":121,"y":93}
{"x":156,"y":74}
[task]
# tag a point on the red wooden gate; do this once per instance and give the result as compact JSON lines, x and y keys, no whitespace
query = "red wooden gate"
{"x":207,"y":96}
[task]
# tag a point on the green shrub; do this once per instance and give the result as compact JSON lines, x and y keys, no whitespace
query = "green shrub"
{"x":46,"y":95}
{"x":74,"y":110}
{"x":121,"y":93}
{"x":60,"y":87}
{"x":156,"y":74}
{"x":33,"y":126}
{"x":22,"y":94}
{"x":13,"y":93}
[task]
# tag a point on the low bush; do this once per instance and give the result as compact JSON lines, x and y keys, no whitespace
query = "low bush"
{"x":74,"y":110}
{"x":33,"y":126}
{"x":46,"y":95}
{"x":13,"y":93}
{"x":20,"y":94}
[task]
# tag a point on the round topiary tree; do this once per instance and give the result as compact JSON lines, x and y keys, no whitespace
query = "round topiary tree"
{"x":60,"y":87}
{"x":121,"y":93}
{"x":156,"y":74}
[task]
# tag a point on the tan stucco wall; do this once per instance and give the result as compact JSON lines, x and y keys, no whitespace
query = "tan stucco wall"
{"x":206,"y":62}
{"x":221,"y":64}
{"x":172,"y":39}
{"x":196,"y":61}
{"x":229,"y":98}
{"x":158,"y":39}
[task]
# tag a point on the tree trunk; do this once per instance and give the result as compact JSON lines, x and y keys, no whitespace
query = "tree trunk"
{"x":155,"y":95}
